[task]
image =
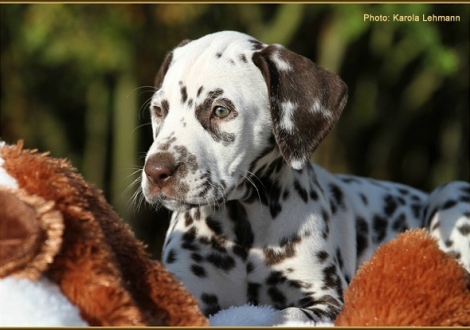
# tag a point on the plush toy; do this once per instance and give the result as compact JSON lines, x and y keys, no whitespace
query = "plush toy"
{"x":408,"y":282}
{"x":67,"y":259}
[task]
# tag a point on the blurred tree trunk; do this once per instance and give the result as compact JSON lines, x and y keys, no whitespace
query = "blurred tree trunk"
{"x":124,"y":144}
{"x":96,"y":133}
{"x":284,"y":25}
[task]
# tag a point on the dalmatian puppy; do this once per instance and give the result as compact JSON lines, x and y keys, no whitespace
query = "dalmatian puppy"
{"x":235,"y":122}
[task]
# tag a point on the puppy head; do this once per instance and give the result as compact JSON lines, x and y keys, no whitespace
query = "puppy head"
{"x":219,"y":102}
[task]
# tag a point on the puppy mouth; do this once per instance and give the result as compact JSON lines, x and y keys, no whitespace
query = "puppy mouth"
{"x":176,"y":195}
{"x":177,"y":205}
{"x":181,"y":204}
{"x":171,"y":203}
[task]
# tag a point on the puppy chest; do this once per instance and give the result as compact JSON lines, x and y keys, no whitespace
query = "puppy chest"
{"x":213,"y":265}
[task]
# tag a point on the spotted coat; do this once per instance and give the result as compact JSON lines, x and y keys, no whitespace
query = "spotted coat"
{"x":235,"y":122}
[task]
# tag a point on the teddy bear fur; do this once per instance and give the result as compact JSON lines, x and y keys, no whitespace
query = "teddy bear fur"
{"x":30,"y":235}
{"x":92,"y":256}
{"x":408,"y":282}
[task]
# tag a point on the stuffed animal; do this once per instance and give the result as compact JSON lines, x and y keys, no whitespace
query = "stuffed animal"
{"x":67,"y":259}
{"x":408,"y":282}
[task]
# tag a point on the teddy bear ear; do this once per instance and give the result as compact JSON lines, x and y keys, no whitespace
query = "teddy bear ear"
{"x":30,"y":233}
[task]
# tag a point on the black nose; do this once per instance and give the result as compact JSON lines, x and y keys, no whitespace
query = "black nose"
{"x":159,"y":168}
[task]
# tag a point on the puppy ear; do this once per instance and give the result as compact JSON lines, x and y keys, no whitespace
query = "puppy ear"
{"x":162,"y":71}
{"x":165,"y":65}
{"x":306,"y":101}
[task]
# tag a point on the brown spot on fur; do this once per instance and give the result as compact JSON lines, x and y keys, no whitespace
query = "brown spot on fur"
{"x":184,"y":94}
{"x":256,"y":45}
{"x":166,"y":145}
{"x":203,"y":115}
{"x":286,"y":251}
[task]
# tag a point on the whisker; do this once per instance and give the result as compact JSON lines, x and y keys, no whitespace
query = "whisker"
{"x":142,"y":155}
{"x":137,"y":197}
{"x":150,"y":89}
{"x":136,"y":171}
{"x":147,"y":86}
{"x":140,"y":126}
{"x":144,"y":106}
{"x":214,"y":202}
{"x":249,"y":176}
{"x":253,"y":175}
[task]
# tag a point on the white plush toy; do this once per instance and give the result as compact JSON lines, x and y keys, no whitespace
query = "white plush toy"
{"x":35,"y":303}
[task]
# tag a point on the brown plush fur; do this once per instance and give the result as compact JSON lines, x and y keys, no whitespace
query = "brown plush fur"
{"x":100,"y":267}
{"x":30,"y":233}
{"x":408,"y":282}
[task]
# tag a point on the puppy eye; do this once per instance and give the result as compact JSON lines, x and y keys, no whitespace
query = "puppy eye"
{"x":220,"y":112}
{"x":157,"y":111}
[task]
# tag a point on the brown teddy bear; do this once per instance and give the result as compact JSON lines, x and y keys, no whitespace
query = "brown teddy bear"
{"x":54,"y":224}
{"x":408,"y":282}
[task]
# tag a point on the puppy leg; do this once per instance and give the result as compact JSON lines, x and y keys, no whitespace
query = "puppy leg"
{"x":447,"y":215}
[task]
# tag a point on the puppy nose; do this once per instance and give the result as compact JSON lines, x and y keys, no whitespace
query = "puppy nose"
{"x":159,"y":168}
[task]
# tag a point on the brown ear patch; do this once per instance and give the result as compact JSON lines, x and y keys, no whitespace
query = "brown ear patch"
{"x":162,"y":71}
{"x":306,"y":101}
{"x":30,"y":234}
{"x":165,"y":65}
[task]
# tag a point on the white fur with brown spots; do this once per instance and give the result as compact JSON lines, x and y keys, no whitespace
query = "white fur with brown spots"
{"x":235,"y":122}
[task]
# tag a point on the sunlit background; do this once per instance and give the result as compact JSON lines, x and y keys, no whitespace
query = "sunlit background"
{"x":75,"y":80}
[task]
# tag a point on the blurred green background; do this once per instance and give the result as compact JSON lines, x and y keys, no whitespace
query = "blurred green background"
{"x":75,"y":79}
